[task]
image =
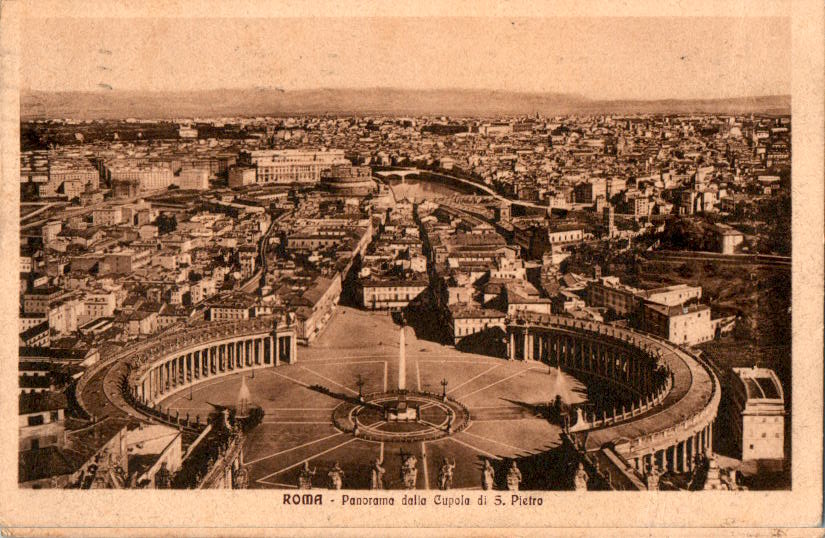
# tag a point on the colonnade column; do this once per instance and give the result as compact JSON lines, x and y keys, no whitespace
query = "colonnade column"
{"x":558,"y":350}
{"x":511,"y":350}
{"x":691,"y":453}
{"x":710,"y":437}
{"x":293,"y":353}
{"x":526,"y":343}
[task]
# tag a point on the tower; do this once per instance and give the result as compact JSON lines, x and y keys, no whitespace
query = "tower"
{"x":608,"y":219}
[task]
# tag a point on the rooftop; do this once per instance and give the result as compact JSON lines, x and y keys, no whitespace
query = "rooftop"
{"x":679,"y":310}
{"x":760,"y":383}
{"x":38,"y":402}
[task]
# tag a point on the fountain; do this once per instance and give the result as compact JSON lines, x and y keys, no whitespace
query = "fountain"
{"x":244,"y":400}
{"x":559,"y":388}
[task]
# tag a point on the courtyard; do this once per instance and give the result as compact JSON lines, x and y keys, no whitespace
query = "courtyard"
{"x":503,"y":398}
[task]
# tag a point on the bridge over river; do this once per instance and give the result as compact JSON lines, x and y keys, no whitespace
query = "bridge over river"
{"x":404,"y":173}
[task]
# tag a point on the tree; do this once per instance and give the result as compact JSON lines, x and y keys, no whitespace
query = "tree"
{"x":166,"y":223}
{"x":685,"y":271}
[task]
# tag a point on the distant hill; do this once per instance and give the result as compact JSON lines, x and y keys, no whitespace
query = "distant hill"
{"x":113,"y":104}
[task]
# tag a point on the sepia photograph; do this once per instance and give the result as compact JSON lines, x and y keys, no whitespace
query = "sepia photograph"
{"x":409,"y":261}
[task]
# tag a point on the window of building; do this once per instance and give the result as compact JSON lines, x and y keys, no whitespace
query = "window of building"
{"x":35,"y":420}
{"x":54,"y":416}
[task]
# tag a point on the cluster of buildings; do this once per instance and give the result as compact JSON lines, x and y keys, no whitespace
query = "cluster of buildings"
{"x":477,"y":278}
{"x":314,"y":248}
{"x":126,"y":270}
{"x":283,"y":166}
{"x":123,"y":240}
{"x":87,"y":173}
{"x":57,"y":449}
{"x":394,"y":269}
{"x":674,"y":313}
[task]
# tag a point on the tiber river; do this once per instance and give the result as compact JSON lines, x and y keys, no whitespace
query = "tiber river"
{"x":417,"y":190}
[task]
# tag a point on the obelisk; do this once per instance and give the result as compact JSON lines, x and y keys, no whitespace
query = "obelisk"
{"x":402,"y":362}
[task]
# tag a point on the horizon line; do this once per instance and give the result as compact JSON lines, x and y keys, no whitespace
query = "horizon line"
{"x":404,"y":89}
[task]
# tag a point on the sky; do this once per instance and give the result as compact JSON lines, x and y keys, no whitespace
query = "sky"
{"x":599,"y":58}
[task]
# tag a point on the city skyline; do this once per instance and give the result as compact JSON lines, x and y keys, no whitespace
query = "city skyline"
{"x":589,"y":58}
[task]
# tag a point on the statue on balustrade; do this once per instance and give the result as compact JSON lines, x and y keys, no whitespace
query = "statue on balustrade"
{"x":513,"y":477}
{"x":409,"y":471}
{"x":336,"y":477}
{"x":580,"y":480}
{"x":240,"y":480}
{"x":163,"y":478}
{"x":445,"y":474}
{"x":377,"y":475}
{"x":488,"y":476}
{"x":305,"y":477}
{"x":652,"y":478}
